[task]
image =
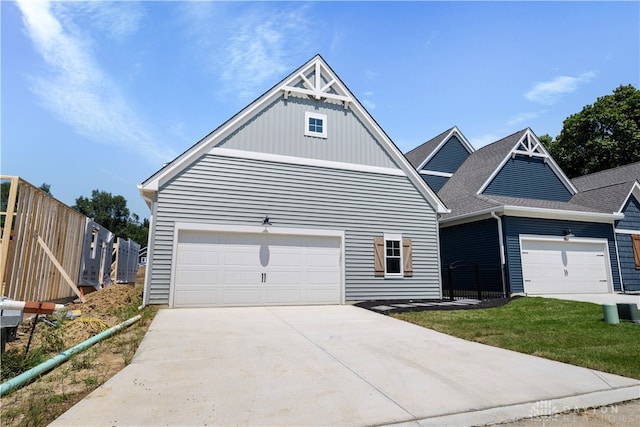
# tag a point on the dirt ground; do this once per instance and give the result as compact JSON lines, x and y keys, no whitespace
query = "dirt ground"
{"x":44,"y":399}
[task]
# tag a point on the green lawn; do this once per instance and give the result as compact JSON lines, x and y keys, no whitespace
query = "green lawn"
{"x":567,"y":331}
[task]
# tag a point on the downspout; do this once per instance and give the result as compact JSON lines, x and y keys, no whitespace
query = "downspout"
{"x":502,"y":257}
{"x":45,"y":366}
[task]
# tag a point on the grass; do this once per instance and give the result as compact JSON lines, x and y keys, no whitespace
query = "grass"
{"x":566,"y":331}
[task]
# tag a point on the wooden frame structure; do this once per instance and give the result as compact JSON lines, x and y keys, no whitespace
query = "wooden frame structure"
{"x":41,"y":245}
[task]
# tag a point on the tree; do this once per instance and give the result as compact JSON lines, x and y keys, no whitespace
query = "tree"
{"x":112,"y":213}
{"x":602,"y":136}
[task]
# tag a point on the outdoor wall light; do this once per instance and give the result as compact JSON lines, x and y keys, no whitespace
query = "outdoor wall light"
{"x":568,"y":234}
{"x":266,"y":223}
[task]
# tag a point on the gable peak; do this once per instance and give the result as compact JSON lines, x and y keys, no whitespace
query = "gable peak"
{"x":317,"y":81}
{"x":530,"y":146}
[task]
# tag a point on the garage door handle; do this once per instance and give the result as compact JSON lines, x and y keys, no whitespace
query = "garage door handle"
{"x":264,"y":277}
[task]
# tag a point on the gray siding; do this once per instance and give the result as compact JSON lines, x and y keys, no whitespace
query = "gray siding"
{"x":279,"y":129}
{"x":530,"y":178}
{"x":221,"y":190}
{"x":514,"y":226}
{"x":631,"y":221}
{"x":449,"y":157}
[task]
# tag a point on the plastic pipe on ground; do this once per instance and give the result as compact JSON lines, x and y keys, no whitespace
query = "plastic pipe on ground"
{"x":31,"y":306}
{"x":26,"y":376}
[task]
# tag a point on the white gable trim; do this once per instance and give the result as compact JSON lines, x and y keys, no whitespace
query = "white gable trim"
{"x":626,"y":231}
{"x":454,"y":132}
{"x":530,"y":145}
{"x":152,"y":184}
{"x":276,"y":158}
{"x":635,"y":192}
{"x":436,"y":173}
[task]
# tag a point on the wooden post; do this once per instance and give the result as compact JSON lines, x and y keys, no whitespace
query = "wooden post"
{"x":7,"y":229}
{"x":59,"y":267}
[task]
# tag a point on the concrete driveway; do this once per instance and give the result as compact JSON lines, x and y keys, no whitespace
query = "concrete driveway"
{"x":329,"y":365}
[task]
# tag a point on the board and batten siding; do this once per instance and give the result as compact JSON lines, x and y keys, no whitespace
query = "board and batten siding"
{"x":513,"y":227}
{"x":530,"y":178}
{"x":279,"y":129}
{"x":449,"y":157}
{"x":631,"y":221}
{"x":225,"y":190}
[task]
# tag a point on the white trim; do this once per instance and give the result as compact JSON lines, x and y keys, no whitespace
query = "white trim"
{"x":393,"y":237}
{"x":635,"y":192}
{"x":545,"y":154}
{"x":253,"y":229}
{"x":303,"y":161}
{"x":595,"y":240}
{"x":435,"y":173}
{"x":626,"y":231}
{"x":543,"y":213}
{"x":308,"y":132}
{"x":454,"y":131}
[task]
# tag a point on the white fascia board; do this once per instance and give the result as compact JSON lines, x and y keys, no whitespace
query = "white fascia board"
{"x":303,"y":161}
{"x":147,"y":194}
{"x":554,"y":166}
{"x":471,"y":217}
{"x":435,"y":173}
{"x":454,"y":131}
{"x":544,"y":213}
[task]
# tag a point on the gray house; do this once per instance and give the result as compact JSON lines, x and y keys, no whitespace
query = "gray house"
{"x":300,"y":198}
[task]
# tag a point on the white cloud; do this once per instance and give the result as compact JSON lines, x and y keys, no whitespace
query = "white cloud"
{"x":524,"y":118}
{"x":368,"y":104}
{"x":548,"y":93}
{"x":482,"y":140}
{"x":256,"y":44}
{"x":77,"y":90}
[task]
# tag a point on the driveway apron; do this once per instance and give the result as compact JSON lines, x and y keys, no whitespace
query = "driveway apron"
{"x":329,"y":365}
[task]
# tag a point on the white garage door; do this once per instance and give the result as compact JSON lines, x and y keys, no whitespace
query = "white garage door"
{"x":241,"y":269}
{"x":560,"y":266}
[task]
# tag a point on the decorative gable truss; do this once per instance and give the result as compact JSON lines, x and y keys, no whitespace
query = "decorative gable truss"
{"x":530,"y":146}
{"x":316,"y":81}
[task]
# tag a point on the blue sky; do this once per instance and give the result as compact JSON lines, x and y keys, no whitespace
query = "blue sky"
{"x":100,"y":95}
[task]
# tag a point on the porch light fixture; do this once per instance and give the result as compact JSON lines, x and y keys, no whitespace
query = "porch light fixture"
{"x":266,"y":223}
{"x":568,"y":234}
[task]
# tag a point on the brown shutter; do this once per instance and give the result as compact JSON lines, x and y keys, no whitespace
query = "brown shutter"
{"x":407,"y":255}
{"x":635,"y":240}
{"x":378,"y":261}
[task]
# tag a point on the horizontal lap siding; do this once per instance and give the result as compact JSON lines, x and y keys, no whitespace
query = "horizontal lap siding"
{"x":218,"y":190}
{"x":449,"y":157}
{"x":631,"y":221}
{"x":515,"y":226}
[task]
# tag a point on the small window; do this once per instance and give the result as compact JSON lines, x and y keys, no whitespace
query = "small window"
{"x":315,"y":125}
{"x":392,"y":255}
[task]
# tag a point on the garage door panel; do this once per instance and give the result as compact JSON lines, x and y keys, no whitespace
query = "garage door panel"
{"x":256,"y":269}
{"x":553,"y":266}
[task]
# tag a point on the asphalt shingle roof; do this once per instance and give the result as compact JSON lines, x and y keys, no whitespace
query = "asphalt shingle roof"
{"x":606,"y":190}
{"x":422,"y":151}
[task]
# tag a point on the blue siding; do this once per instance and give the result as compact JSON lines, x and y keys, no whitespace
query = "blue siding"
{"x":529,"y":178}
{"x":435,"y":182}
{"x":475,"y":242}
{"x":514,"y":226}
{"x":449,"y":157}
{"x":631,"y":221}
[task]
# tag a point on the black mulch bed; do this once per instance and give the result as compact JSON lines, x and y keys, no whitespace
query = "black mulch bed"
{"x":490,"y":303}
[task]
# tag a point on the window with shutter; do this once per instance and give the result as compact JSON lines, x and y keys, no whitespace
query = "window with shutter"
{"x":392,"y":256}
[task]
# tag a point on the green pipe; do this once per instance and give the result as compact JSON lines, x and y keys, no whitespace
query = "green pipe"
{"x":26,"y":376}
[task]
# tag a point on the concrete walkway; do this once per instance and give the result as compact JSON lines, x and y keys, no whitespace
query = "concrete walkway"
{"x":329,"y":365}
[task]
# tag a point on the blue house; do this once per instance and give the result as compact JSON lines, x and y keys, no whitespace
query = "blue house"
{"x":618,"y":190}
{"x":513,"y":207}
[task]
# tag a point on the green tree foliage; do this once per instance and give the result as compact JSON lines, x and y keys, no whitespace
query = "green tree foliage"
{"x":602,"y":136}
{"x":112,"y":213}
